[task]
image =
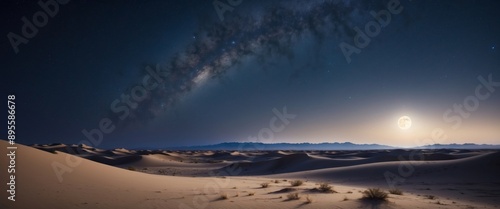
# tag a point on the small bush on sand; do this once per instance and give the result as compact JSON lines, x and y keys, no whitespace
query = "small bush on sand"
{"x":131,"y":168}
{"x":296,"y":183}
{"x":293,"y":196}
{"x":374,"y":194}
{"x":224,"y":196}
{"x":325,"y":187}
{"x":430,"y":197}
{"x":396,"y":191}
{"x":308,"y":199}
{"x":264,"y":185}
{"x":251,"y":193}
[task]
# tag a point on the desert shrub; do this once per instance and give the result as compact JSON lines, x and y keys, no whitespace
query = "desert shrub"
{"x":430,"y":197}
{"x":293,"y":196}
{"x":325,"y":187}
{"x":396,"y":191}
{"x":264,"y":185}
{"x":131,"y":168}
{"x":162,"y":171}
{"x":296,"y":183}
{"x":251,"y":193}
{"x":374,"y":194}
{"x":308,"y":199}
{"x":224,"y":196}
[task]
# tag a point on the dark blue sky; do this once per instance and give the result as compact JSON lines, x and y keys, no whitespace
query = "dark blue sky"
{"x":225,"y":77}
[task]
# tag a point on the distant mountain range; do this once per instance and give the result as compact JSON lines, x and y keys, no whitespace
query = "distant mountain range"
{"x":284,"y":146}
{"x":323,"y":146}
{"x":460,"y":146}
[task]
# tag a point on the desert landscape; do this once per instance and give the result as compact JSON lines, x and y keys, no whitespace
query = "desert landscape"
{"x":246,"y":104}
{"x":122,"y":178}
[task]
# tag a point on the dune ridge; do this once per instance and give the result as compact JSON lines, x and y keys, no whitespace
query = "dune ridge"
{"x":457,"y":178}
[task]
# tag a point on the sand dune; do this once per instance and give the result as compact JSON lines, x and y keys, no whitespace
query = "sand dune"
{"x":84,"y":187}
{"x":466,"y":181}
{"x":316,"y":160}
{"x":484,"y":167}
{"x":477,"y":176}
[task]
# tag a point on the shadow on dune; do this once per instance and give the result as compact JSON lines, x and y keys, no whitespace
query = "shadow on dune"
{"x":428,"y":160}
{"x":375,"y":204}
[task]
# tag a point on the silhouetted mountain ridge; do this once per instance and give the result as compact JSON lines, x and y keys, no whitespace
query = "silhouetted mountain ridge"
{"x":460,"y":146}
{"x":323,"y":146}
{"x":285,"y":146}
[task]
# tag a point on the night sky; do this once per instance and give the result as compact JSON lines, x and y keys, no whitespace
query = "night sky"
{"x":174,"y":73}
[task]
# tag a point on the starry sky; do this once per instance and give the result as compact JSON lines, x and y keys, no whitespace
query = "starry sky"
{"x":174,"y":73}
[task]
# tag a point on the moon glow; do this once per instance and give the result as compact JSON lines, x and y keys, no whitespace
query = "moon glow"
{"x":404,"y":122}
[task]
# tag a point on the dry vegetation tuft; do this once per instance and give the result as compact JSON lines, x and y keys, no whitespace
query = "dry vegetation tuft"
{"x":293,"y":196}
{"x":396,"y":191}
{"x":223,"y":196}
{"x":374,"y":194}
{"x":326,"y":188}
{"x":430,"y":197}
{"x":309,"y":199}
{"x":296,"y":183}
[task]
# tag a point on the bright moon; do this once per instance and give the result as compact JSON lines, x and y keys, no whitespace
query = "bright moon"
{"x":404,"y":122}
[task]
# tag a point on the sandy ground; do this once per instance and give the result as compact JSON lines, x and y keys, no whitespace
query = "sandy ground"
{"x":123,"y":178}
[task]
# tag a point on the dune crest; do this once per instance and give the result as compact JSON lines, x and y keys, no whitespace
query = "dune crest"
{"x":177,"y":179}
